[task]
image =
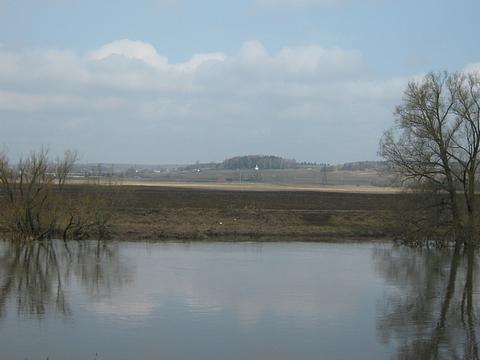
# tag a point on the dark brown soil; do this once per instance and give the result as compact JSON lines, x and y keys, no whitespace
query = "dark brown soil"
{"x":143,"y":212}
{"x":169,"y":197}
{"x":159,"y":213}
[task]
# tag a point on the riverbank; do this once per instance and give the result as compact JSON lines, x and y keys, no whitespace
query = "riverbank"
{"x":168,"y":212}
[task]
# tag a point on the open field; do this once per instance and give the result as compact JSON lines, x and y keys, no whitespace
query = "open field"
{"x":169,"y":212}
{"x":301,"y":176}
{"x":258,"y":211}
{"x":237,"y":186}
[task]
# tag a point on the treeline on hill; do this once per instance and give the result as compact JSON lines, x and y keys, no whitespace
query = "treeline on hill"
{"x":267,"y":162}
{"x":262,"y":161}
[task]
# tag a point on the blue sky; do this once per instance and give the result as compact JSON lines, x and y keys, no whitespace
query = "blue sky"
{"x":377,"y":44}
{"x":396,"y":37}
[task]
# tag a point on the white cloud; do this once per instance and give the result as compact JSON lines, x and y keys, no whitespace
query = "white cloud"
{"x":475,"y":67}
{"x":292,"y":102}
{"x":199,"y":59}
{"x":253,"y":51}
{"x":143,"y":52}
{"x":133,"y":50}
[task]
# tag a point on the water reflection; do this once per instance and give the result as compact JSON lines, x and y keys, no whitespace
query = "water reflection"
{"x":432,"y":312}
{"x":34,"y":275}
{"x":278,"y":300}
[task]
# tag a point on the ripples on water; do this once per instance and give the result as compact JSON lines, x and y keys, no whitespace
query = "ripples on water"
{"x":94,"y":300}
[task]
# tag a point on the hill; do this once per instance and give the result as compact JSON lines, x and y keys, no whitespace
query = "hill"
{"x":260,"y":161}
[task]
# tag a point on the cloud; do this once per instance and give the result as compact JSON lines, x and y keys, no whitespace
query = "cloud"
{"x":297,"y":101}
{"x":132,"y":50}
{"x":475,"y":67}
{"x":146,"y":53}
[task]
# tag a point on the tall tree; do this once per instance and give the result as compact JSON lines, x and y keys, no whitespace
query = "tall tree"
{"x":436,"y":142}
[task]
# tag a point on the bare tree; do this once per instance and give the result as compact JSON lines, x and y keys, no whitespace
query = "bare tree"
{"x":64,"y":166}
{"x":466,"y":146}
{"x":436,"y":142}
{"x":36,"y":205}
{"x":27,"y":187}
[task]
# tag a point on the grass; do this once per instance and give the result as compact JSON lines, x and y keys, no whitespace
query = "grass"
{"x":199,"y":213}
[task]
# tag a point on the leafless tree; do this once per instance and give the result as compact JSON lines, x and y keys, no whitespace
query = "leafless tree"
{"x":436,"y":143}
{"x":36,"y":205}
{"x":64,"y":166}
{"x":27,"y":187}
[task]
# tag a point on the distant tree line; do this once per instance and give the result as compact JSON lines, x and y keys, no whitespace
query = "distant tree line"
{"x":262,"y":161}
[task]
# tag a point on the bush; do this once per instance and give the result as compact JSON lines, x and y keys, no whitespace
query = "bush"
{"x":37,"y":204}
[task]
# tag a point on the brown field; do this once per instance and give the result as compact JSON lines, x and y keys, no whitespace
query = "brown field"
{"x":212,"y":212}
{"x":153,"y":212}
{"x":236,"y":186}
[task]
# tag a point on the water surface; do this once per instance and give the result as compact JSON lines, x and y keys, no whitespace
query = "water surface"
{"x":123,"y":300}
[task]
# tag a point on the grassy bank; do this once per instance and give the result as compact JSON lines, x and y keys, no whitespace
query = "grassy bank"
{"x":156,"y":213}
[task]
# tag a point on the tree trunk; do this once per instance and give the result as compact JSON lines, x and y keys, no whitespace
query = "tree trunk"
{"x":458,"y":230}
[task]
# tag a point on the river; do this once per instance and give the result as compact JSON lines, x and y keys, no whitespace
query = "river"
{"x":246,"y":300}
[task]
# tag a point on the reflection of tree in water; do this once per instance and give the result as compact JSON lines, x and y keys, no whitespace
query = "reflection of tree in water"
{"x":433,"y":312}
{"x":34,"y":274}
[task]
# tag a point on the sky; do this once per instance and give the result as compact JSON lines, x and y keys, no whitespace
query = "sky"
{"x":179,"y":81}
